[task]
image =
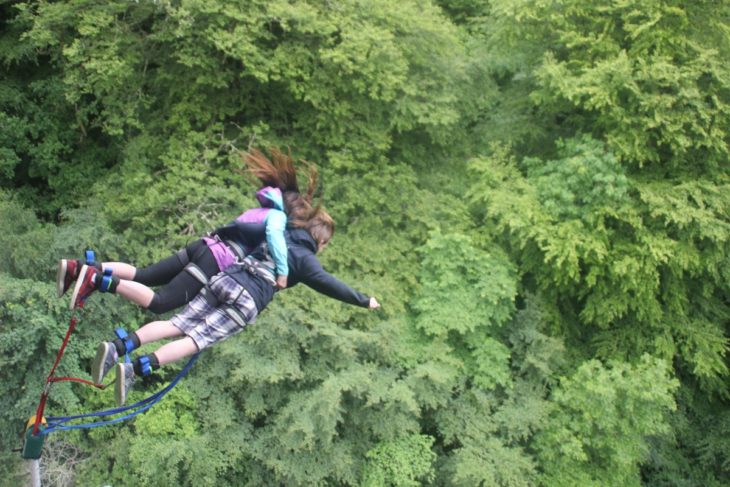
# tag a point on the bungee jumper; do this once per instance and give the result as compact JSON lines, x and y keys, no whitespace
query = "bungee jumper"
{"x":282,"y":204}
{"x":232,"y":300}
{"x":243,"y":265}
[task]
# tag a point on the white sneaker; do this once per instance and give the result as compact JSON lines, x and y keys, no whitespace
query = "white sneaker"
{"x":106,"y":357}
{"x":125,"y":381}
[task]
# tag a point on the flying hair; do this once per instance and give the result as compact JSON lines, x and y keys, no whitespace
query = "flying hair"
{"x":280,"y":171}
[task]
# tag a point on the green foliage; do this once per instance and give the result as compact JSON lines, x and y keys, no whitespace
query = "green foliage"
{"x":650,"y":81}
{"x":194,"y":193}
{"x":463,"y":288}
{"x":486,"y":435}
{"x":582,"y":183}
{"x":100,"y":49}
{"x":597,"y":433}
{"x":400,"y":462}
{"x":583,"y":229}
{"x":479,"y":454}
{"x":536,"y":192}
{"x":42,"y":130}
{"x":17,"y":222}
{"x":695,"y":453}
{"x":467,"y":293}
{"x":34,"y":321}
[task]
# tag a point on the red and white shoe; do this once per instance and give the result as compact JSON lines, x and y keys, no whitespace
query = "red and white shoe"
{"x":68,"y":271}
{"x":85,"y":285}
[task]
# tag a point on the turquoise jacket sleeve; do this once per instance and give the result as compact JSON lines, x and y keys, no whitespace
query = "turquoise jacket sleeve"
{"x":275,"y":224}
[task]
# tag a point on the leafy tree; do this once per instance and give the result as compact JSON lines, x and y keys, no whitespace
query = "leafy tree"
{"x":401,"y":462}
{"x":648,"y":81}
{"x":596,"y":434}
{"x":445,"y":306}
{"x":487,"y":435}
{"x":536,"y":191}
{"x":599,"y":230}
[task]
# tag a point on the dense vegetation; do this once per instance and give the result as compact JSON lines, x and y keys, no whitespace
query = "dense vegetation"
{"x":537,"y":191}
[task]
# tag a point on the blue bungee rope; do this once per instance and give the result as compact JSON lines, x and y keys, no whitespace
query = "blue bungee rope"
{"x":56,"y":423}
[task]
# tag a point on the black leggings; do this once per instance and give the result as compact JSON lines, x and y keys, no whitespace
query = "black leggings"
{"x":178,"y":286}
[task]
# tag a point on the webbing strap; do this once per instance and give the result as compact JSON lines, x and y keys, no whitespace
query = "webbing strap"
{"x":49,"y":379}
{"x":197,"y":273}
{"x":231,"y":311}
{"x":80,"y":381}
{"x":234,"y":314}
{"x":122,"y":334}
{"x":236,"y":248}
{"x":258,"y":268}
{"x":57,"y":423}
{"x":137,"y":408}
{"x":182,"y":255}
{"x":106,"y":280}
{"x":145,"y":367}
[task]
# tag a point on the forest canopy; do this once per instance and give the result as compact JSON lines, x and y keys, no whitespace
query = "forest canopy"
{"x":536,"y":191}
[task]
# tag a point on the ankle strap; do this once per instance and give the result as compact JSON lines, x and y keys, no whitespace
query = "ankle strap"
{"x":126,"y":339}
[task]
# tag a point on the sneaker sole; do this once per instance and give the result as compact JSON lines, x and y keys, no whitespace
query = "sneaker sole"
{"x":77,"y":287}
{"x":120,"y":395}
{"x":97,"y":366}
{"x":61,"y":276}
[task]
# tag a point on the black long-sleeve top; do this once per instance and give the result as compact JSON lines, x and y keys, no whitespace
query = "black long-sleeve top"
{"x":304,"y":267}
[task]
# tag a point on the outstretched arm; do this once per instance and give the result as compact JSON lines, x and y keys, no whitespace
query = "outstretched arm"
{"x":317,"y":278}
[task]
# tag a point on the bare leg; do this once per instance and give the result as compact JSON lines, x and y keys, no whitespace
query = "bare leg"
{"x":120,"y":269}
{"x":135,"y":292}
{"x":157,"y":330}
{"x":169,"y":352}
{"x":176,"y":350}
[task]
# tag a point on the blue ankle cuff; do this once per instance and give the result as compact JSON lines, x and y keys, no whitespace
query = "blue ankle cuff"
{"x":128,"y":342}
{"x":106,"y":281}
{"x":144,"y":365}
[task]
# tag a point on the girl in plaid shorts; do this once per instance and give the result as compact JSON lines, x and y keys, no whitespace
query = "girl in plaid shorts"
{"x":232,"y":300}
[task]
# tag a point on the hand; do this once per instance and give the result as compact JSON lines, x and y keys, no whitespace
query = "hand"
{"x":281,"y":281}
{"x":374,"y":304}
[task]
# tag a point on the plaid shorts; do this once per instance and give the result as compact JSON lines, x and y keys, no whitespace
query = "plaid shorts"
{"x":207,"y":325}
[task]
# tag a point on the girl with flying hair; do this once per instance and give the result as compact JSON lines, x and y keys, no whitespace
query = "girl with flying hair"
{"x":232,"y":300}
{"x":183,"y":274}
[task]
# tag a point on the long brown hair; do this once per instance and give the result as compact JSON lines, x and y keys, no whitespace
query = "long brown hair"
{"x":321,"y":226}
{"x":298,"y":209}
{"x":280,"y":171}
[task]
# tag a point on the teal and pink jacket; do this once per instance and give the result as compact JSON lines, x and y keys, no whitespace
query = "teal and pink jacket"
{"x":246,"y":231}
